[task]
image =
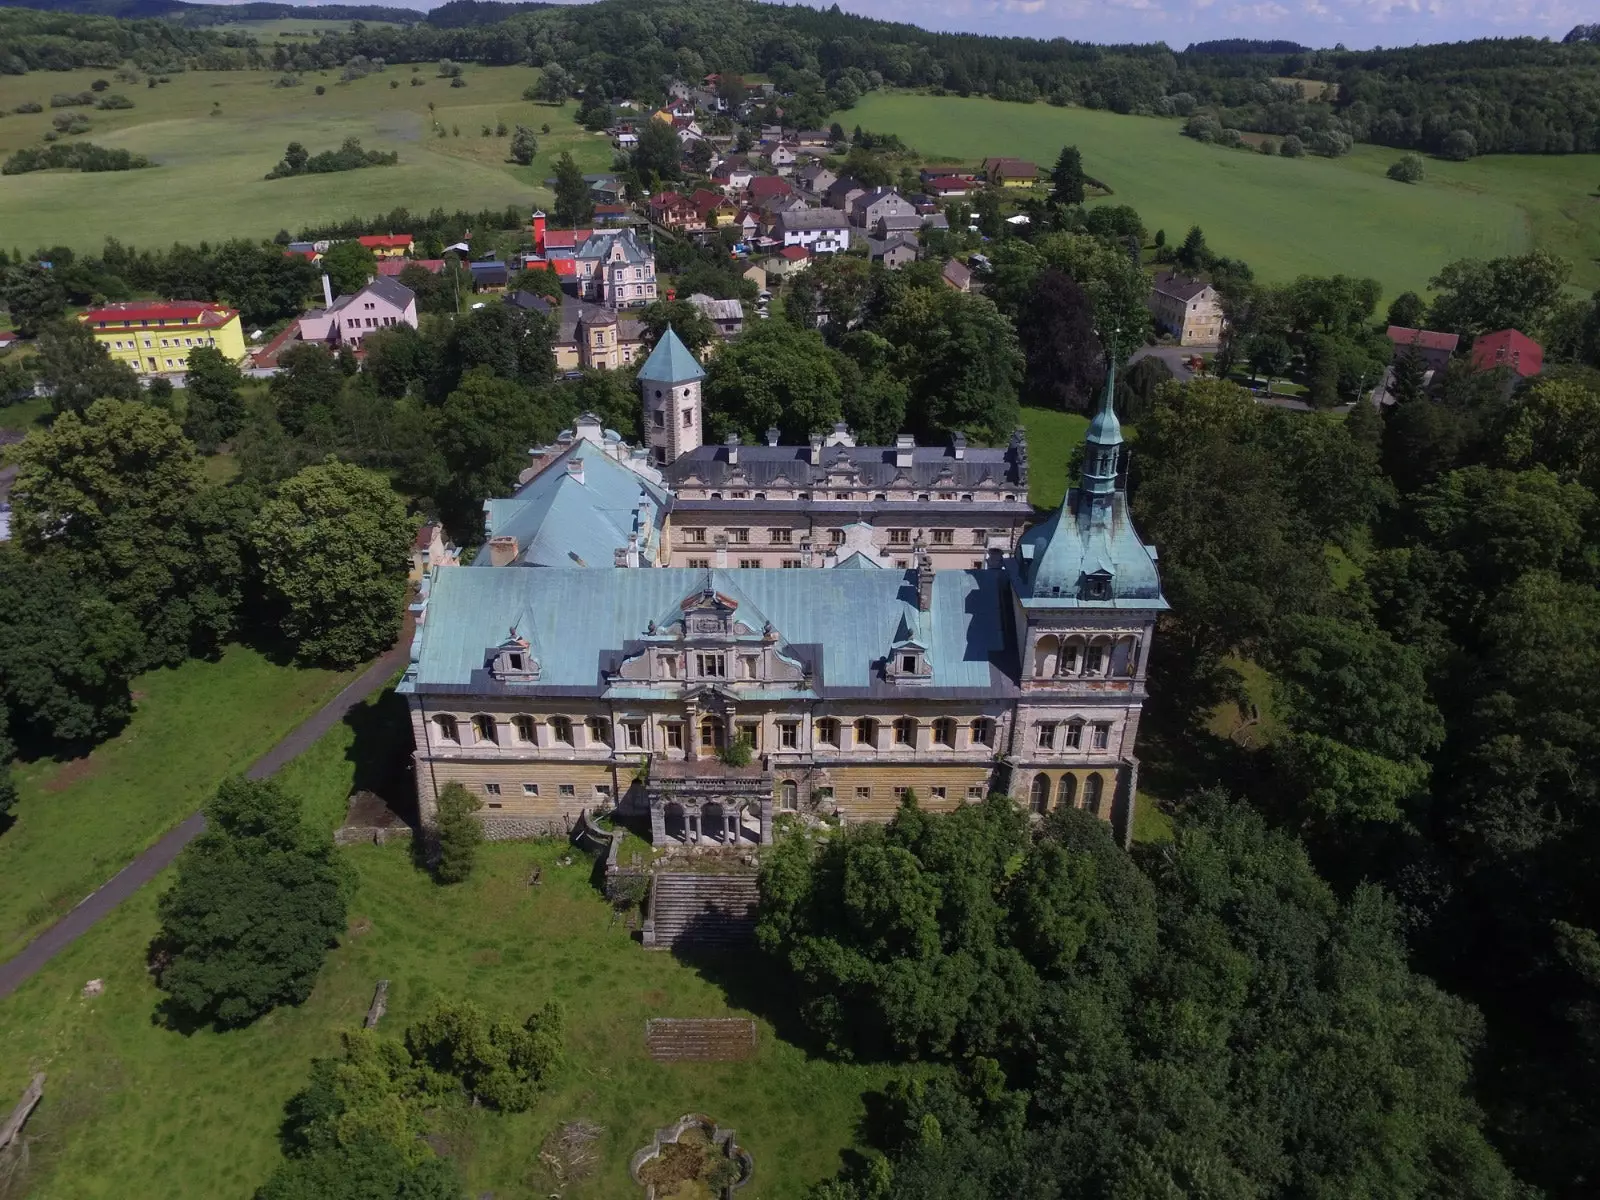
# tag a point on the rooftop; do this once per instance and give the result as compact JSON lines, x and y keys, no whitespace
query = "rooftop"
{"x":671,"y":362}
{"x":204,"y":312}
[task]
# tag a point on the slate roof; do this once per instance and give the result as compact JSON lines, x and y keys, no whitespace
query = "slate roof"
{"x":392,"y":290}
{"x":671,"y":362}
{"x":1426,"y":339}
{"x":812,"y":218}
{"x":838,"y":624}
{"x":1180,"y":287}
{"x":931,"y":466}
{"x":599,"y":243}
{"x":560,"y":522}
{"x":574,"y":312}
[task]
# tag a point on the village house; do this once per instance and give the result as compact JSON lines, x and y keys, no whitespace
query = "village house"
{"x":842,"y":192}
{"x":907,"y":224}
{"x":956,"y":275}
{"x":387,"y":245}
{"x":871,"y":206}
{"x":734,"y":174}
{"x":543,"y":690}
{"x":154,"y":337}
{"x":781,"y":155}
{"x":382,"y":304}
{"x":391,"y":267}
{"x":815,"y":180}
{"x":674,"y":211}
{"x":894,"y":251}
{"x":762,"y":188}
{"x":490,"y":275}
{"x":585,"y":336}
{"x":788,"y":261}
{"x":1430,"y":347}
{"x":1509,"y":348}
{"x":726,"y":316}
{"x":1010,"y":172}
{"x":815,"y":138}
{"x":1187,"y":308}
{"x":713,"y":208}
{"x":948,"y":183}
{"x":820,"y":230}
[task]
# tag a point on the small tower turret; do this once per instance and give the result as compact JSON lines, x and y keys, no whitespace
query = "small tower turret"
{"x":669,"y":387}
{"x":1103,"y":443}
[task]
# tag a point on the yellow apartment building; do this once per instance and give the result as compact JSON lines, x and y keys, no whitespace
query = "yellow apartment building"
{"x":154,"y":337}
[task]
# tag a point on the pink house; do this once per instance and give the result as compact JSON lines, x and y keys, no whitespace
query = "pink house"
{"x":344,"y":322}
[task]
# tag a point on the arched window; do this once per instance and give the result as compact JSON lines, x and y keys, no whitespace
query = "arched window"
{"x":1092,"y":787}
{"x":522,"y":727}
{"x":944,"y":732}
{"x":789,"y":795}
{"x":599,"y":731}
{"x":483,"y":730}
{"x":983,"y":732}
{"x":713,"y":733}
{"x":1067,"y":791}
{"x":448,"y":730}
{"x":1094,"y":659}
{"x":1039,"y":799}
{"x":866,"y":731}
{"x":561,"y":730}
{"x":828,"y":732}
{"x":905,"y":731}
{"x":1071,"y":656}
{"x":1046,"y":655}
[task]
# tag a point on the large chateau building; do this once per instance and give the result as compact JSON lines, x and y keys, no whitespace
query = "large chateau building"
{"x":580,"y":663}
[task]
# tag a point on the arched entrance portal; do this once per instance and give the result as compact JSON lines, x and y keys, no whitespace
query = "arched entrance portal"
{"x":677,"y":828}
{"x":1039,"y":799}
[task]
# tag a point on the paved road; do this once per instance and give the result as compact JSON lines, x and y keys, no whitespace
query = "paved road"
{"x":157,"y":858}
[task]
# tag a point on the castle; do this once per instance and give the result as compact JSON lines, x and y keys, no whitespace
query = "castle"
{"x":581,"y":663}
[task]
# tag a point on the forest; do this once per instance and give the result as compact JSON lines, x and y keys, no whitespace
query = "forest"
{"x":1512,"y":95}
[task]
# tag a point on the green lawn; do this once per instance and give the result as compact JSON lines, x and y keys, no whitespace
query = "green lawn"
{"x":79,"y":822}
{"x":134,"y":1110}
{"x":1286,"y":217}
{"x":210,"y":184}
{"x":1053,"y":437}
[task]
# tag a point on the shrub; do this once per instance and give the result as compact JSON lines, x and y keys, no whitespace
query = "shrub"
{"x":1459,"y":145}
{"x":70,"y":122}
{"x":321,"y":91}
{"x":1292,"y":147}
{"x":460,"y":833}
{"x":28,"y":106}
{"x":99,"y":85}
{"x":1202,"y":128}
{"x":83,"y":156}
{"x":1230,"y":137}
{"x":736,"y":753}
{"x":114,"y":100}
{"x":1268,"y":146}
{"x":458,"y":81}
{"x":68,"y":99}
{"x":1331,"y":143}
{"x":394,"y":83}
{"x":418,"y":81}
{"x":1408,"y":169}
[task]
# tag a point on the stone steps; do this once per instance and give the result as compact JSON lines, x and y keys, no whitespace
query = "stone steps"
{"x":703,"y":911}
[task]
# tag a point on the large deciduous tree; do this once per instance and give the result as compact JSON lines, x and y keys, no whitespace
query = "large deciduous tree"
{"x":78,"y":370}
{"x":1479,"y":296}
{"x":348,"y":265}
{"x":215,"y":407}
{"x":773,"y":376}
{"x":32,"y":295}
{"x":960,"y":359}
{"x":1065,"y":363}
{"x":334,"y":545}
{"x":257,"y":903}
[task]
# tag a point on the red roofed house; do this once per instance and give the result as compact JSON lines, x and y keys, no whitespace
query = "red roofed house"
{"x":790,"y":260}
{"x":1433,"y":349}
{"x":672,"y":210}
{"x":391,"y":267}
{"x":765,"y":187}
{"x":713,"y":208}
{"x":1508,"y":348}
{"x":7,"y":339}
{"x":387,"y":245}
{"x":154,"y":337}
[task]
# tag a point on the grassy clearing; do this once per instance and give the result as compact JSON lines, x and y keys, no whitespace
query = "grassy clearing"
{"x":79,"y":822}
{"x":210,"y":185}
{"x":1285,"y":217}
{"x":133,"y":1110}
{"x":1053,"y":437}
{"x":30,"y":414}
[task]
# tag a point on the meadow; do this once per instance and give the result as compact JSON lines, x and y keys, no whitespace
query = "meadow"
{"x":132,"y":1109}
{"x":1285,"y":217}
{"x":215,"y":135}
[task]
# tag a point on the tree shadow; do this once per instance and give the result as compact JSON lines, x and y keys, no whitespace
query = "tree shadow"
{"x":750,"y":980}
{"x":380,"y":753}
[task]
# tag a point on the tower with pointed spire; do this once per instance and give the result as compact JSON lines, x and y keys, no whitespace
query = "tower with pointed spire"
{"x":1087,"y":595}
{"x":669,"y":389}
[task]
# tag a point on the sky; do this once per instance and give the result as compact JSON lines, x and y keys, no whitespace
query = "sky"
{"x":1358,"y":24}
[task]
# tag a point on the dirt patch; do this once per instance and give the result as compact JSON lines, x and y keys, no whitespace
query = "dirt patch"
{"x":656,"y":998}
{"x":71,"y":773}
{"x":358,"y":926}
{"x":486,"y":958}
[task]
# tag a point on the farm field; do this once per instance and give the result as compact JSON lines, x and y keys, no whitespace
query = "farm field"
{"x":210,"y":185}
{"x":1285,"y":217}
{"x":78,"y":823}
{"x":132,"y":1109}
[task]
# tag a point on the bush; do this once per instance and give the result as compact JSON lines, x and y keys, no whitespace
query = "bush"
{"x":82,"y":156}
{"x":99,"y":85}
{"x":458,"y":81}
{"x":394,"y":83}
{"x":736,"y":753}
{"x":70,"y":122}
{"x":1202,"y":128}
{"x":418,"y":81}
{"x":28,"y":106}
{"x":1292,"y":147}
{"x":1331,"y":143}
{"x":69,"y":99}
{"x":1230,"y":137}
{"x":114,"y":100}
{"x":1408,"y":169}
{"x":321,"y":91}
{"x":1267,"y":146}
{"x":460,"y":833}
{"x":1459,"y":145}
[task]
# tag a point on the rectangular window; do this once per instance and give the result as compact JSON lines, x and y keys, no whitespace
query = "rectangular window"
{"x":979,"y":537}
{"x":908,"y":664}
{"x":974,"y":791}
{"x":1091,"y":660}
{"x":790,"y":563}
{"x":1047,"y":736}
{"x":864,"y":793}
{"x":944,"y":537}
{"x":567,"y":789}
{"x":749,"y":731}
{"x":1102,"y":734}
{"x":688,"y":418}
{"x":750,"y":564}
{"x":599,"y":731}
{"x":899,"y":537}
{"x":673,"y":733}
{"x":711,"y":666}
{"x":947,"y":495}
{"x":900,"y":792}
{"x":789,"y":735}
{"x":936,"y":793}
{"x":749,"y":666}
{"x":602,"y":791}
{"x":836,"y":536}
{"x":493,"y":804}
{"x":1074,"y":733}
{"x":633,"y":732}
{"x":491,"y":789}
{"x":739,"y":537}
{"x":700,"y":563}
{"x":530,"y":789}
{"x":696,"y":536}
{"x":661,"y":420}
{"x":781,"y":537}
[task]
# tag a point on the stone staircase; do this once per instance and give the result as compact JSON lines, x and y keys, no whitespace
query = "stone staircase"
{"x":701,"y":911}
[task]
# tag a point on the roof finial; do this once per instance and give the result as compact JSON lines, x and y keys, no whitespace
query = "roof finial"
{"x":1103,"y":441}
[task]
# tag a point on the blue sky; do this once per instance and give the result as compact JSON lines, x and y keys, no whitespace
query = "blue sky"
{"x":1356,"y":23}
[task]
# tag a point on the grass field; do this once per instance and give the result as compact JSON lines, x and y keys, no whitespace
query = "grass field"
{"x":1053,"y":437}
{"x":210,"y":185}
{"x":77,"y":823}
{"x":1286,"y":217}
{"x":135,"y":1110}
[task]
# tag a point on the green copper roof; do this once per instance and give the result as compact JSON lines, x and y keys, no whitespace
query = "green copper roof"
{"x":671,"y":362}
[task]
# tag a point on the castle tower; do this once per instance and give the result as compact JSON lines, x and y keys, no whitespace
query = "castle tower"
{"x":669,"y":387}
{"x":1087,"y":595}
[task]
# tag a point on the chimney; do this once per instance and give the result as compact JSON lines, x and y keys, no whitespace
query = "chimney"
{"x":773,"y":435}
{"x":924,"y":582}
{"x":575,"y":468}
{"x":904,"y":444}
{"x":958,"y":445}
{"x":816,"y":449}
{"x":502,"y":551}
{"x":733,"y":449}
{"x":327,"y":292}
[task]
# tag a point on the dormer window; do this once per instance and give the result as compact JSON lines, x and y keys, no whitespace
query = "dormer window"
{"x":908,"y":663}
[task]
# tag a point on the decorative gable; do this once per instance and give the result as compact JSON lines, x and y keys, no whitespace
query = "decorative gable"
{"x":513,"y":661}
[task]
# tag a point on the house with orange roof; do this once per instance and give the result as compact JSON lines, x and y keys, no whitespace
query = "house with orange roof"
{"x":387,"y":245}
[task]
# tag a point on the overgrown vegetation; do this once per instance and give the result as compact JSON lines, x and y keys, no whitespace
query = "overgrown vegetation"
{"x":297,"y":160}
{"x":79,"y":156}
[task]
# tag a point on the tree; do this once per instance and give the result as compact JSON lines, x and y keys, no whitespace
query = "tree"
{"x":1556,"y":425}
{"x":574,"y":201}
{"x":368,"y":1168}
{"x":110,"y":495}
{"x":523,"y":145}
{"x":657,"y":154}
{"x":1478,"y":296}
{"x":1408,"y":168}
{"x":459,"y":833}
{"x":693,"y":327}
{"x":1292,"y":147}
{"x":1063,"y":356}
{"x":349,"y":265}
{"x":78,"y":370}
{"x":1066,"y":180}
{"x":1407,"y":310}
{"x":216,"y":408}
{"x":1459,"y":145}
{"x":482,"y":435}
{"x":68,"y":656}
{"x":33,"y":297}
{"x":334,"y":545}
{"x":306,"y":387}
{"x":960,"y":359}
{"x":1193,"y":255}
{"x":773,"y":376}
{"x":554,"y":84}
{"x":257,"y":903}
